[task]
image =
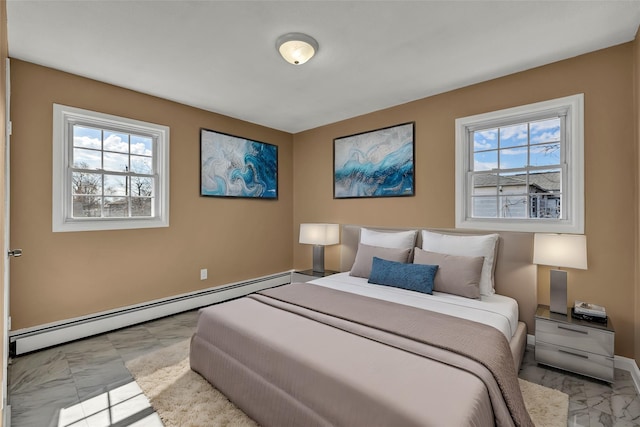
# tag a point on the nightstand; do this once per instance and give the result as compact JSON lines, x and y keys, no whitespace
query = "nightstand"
{"x":307,"y":275}
{"x":575,"y":345}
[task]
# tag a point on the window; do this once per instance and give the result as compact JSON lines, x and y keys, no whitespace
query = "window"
{"x":522,"y":168}
{"x":109,"y":172}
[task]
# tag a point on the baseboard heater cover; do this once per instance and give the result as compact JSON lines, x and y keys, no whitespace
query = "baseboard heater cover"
{"x":39,"y":337}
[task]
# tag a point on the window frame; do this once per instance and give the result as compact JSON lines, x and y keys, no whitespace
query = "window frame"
{"x":64,"y":118}
{"x":571,"y":163}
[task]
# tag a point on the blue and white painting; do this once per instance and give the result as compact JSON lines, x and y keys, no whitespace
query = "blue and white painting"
{"x":231,"y":166}
{"x":375,"y":164}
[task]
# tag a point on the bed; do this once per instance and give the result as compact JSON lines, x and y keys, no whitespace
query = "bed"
{"x":343,"y":351}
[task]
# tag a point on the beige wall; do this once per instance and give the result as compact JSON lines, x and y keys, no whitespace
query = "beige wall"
{"x":605,"y":77}
{"x":64,"y":275}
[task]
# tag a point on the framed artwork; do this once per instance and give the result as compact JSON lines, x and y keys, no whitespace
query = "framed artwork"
{"x":231,"y":166}
{"x":378,"y":163}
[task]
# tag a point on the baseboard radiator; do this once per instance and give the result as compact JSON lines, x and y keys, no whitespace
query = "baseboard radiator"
{"x":39,"y":337}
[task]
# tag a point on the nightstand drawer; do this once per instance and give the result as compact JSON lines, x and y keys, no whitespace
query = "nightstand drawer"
{"x":577,"y":337}
{"x":581,"y":362}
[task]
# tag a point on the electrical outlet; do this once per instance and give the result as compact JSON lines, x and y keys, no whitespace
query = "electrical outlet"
{"x":203,"y":274}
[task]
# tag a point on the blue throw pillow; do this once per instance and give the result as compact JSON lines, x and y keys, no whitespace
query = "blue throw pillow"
{"x":413,"y":277}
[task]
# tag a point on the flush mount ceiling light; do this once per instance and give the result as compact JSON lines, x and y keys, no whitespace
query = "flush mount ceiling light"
{"x":296,"y":48}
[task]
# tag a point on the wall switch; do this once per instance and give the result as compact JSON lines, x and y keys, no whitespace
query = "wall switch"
{"x":203,"y":274}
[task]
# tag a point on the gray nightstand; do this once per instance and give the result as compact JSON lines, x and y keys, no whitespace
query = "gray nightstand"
{"x":307,"y":275}
{"x":575,"y":345}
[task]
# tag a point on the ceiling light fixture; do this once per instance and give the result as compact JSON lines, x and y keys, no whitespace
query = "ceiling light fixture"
{"x":296,"y":48}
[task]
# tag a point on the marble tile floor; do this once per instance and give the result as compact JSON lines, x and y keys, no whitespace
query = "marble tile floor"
{"x":85,"y":383}
{"x":592,"y":403}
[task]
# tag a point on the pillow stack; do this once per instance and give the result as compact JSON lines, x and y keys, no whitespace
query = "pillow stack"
{"x":366,"y":253}
{"x":412,"y":277}
{"x":391,"y":246}
{"x":484,"y":246}
{"x":457,"y":275}
{"x":456,"y":264}
{"x":383,"y":259}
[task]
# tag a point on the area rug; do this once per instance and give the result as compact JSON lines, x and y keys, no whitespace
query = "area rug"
{"x":183,"y":398}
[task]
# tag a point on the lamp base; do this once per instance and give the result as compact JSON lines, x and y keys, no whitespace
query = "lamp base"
{"x":558,"y":292}
{"x":318,"y":258}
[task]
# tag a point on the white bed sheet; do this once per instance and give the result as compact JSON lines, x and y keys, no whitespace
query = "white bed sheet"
{"x":498,"y":311}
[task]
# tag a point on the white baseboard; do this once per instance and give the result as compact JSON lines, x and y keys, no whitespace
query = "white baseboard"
{"x":531,"y":340}
{"x":619,"y":362}
{"x":42,"y":336}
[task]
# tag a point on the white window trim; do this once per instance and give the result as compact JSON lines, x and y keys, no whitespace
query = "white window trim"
{"x":574,"y":153}
{"x":63,"y":117}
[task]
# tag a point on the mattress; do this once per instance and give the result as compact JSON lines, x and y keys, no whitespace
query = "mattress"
{"x":498,"y":311}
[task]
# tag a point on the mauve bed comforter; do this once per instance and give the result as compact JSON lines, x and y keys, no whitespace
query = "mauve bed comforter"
{"x":303,"y":355}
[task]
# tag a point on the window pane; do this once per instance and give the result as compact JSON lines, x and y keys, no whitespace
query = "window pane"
{"x":142,"y":145}
{"x":86,"y":206}
{"x":512,"y":158}
{"x":141,"y":165}
{"x":141,"y":206}
{"x":485,"y":184}
{"x":545,"y":154}
{"x":116,"y":207}
{"x":101,"y":160}
{"x":87,"y":159}
{"x":485,"y":160}
{"x":115,"y":185}
{"x":512,"y":136}
{"x":545,"y":131}
{"x":86,"y":183}
{"x":141,"y":186}
{"x":513,"y":206}
{"x":485,"y":207}
{"x":485,"y":140}
{"x":537,"y":177}
{"x":116,"y":142}
{"x":116,"y":162}
{"x":87,"y":137}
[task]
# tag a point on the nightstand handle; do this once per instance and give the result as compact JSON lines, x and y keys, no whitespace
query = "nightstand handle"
{"x":573,"y":330}
{"x":573,"y":354}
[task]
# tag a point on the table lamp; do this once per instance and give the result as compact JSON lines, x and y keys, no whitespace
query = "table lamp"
{"x":560,"y":250}
{"x":319,"y":235}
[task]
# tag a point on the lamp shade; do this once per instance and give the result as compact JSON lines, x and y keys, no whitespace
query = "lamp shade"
{"x":296,"y":48}
{"x":320,"y":234}
{"x":560,"y":250}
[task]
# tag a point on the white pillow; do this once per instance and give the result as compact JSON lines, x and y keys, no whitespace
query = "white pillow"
{"x":482,"y":245}
{"x":389,"y":239}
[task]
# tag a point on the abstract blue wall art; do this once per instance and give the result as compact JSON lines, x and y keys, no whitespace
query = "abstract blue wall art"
{"x":231,"y":166}
{"x":378,"y":163}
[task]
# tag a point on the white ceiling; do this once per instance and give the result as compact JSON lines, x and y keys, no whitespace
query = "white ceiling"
{"x":220,"y":55}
